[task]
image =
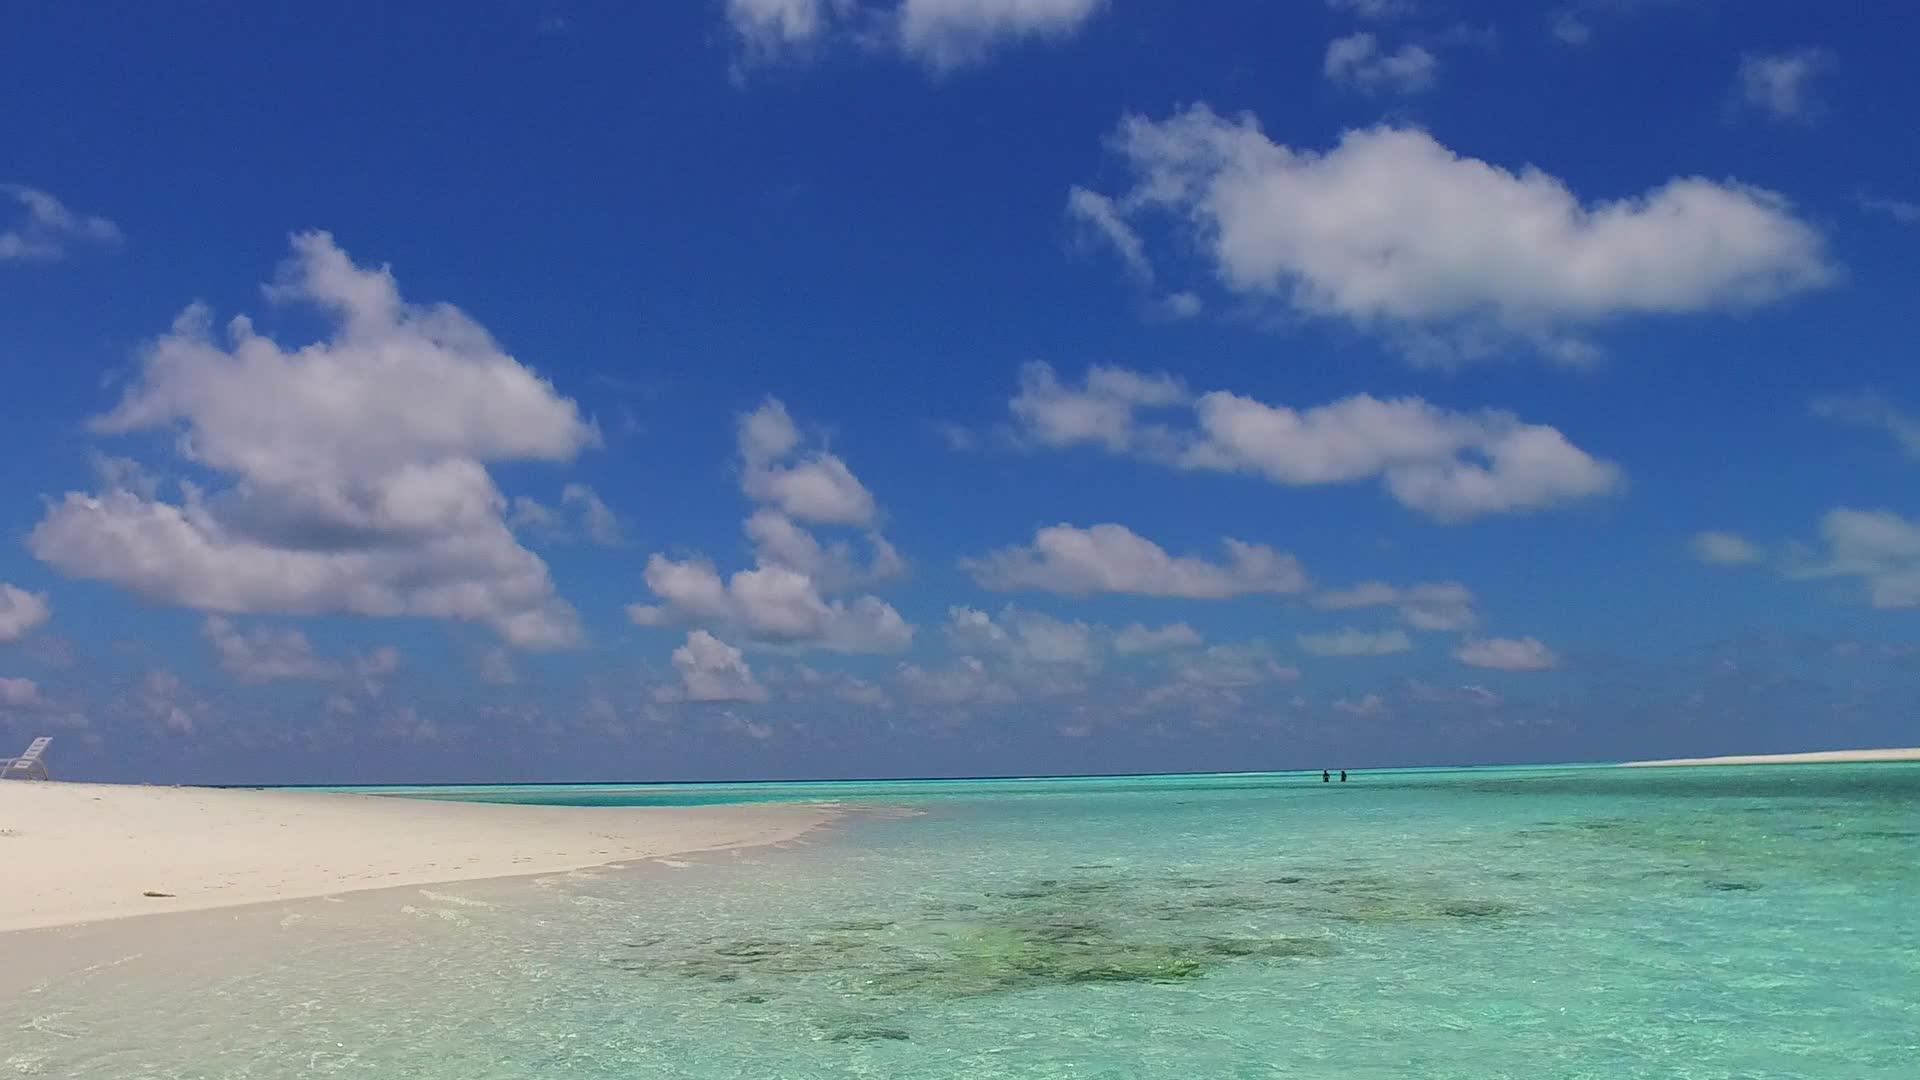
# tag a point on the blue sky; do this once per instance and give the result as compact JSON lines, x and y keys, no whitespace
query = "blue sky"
{"x":913,"y":387}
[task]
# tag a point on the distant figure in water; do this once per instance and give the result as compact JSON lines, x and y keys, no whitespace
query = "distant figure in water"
{"x":1324,"y":777}
{"x":1343,"y":776}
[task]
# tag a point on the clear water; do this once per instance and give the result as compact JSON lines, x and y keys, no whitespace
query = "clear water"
{"x":1726,"y":922}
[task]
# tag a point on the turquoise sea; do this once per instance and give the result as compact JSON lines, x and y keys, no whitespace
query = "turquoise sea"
{"x":1527,"y":923}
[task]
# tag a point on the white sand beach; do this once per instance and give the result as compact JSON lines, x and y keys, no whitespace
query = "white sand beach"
{"x":84,"y":852}
{"x":1909,"y":753}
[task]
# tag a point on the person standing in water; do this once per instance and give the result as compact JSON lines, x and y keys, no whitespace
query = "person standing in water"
{"x":1343,"y":776}
{"x":1324,"y":777}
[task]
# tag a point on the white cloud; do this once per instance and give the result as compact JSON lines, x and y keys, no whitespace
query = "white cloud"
{"x":965,"y":682}
{"x":816,"y":486}
{"x":1901,"y":210}
{"x":1781,"y":84}
{"x":1139,"y":638}
{"x":1096,"y":212}
{"x":773,"y":604}
{"x":18,"y":693}
{"x":21,"y":611}
{"x":1433,"y":605}
{"x":1236,"y":666}
{"x":1100,"y":410}
{"x":1507,"y":654}
{"x":496,"y":668}
{"x":711,"y":670}
{"x":837,"y":686}
{"x":1369,"y":706}
{"x":1214,"y":681}
{"x":164,"y":703}
{"x":1376,"y":10}
{"x":1724,"y":549}
{"x":1027,"y":637}
{"x":264,"y":654}
{"x":1451,"y":466}
{"x":1182,"y":305}
{"x":581,"y":513}
{"x":1357,"y":61}
{"x":777,"y":541}
{"x":783,"y":600}
{"x":1351,"y":642}
{"x":1449,"y":256}
{"x":1569,"y":28}
{"x":943,"y":35}
{"x":1873,"y":411}
{"x":1470,"y":694}
{"x":770,"y":28}
{"x":1878,"y":547}
{"x":1111,"y":558}
{"x":346,"y":496}
{"x":947,"y":34}
{"x":46,"y":230}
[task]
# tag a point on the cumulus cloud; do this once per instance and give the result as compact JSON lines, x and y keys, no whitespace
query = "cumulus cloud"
{"x":1870,"y":410}
{"x":1449,"y":256}
{"x":1215,"y":681}
{"x":948,"y":34}
{"x":1507,"y":654}
{"x":1026,"y":637}
{"x":1112,"y":558}
{"x":1376,"y":10}
{"x":496,"y":668}
{"x":581,"y":514}
{"x":1451,"y":466}
{"x":768,"y":29}
{"x":1351,"y":642}
{"x":164,"y":703}
{"x":46,"y":231}
{"x":1433,"y":605}
{"x":265,"y":654}
{"x":1366,"y":707}
{"x":812,"y":486}
{"x":711,"y":670}
{"x":785,"y":598}
{"x":346,"y":496}
{"x":1101,"y":410}
{"x":942,"y":35}
{"x":964,"y":682}
{"x":1879,"y":548}
{"x":1904,"y":211}
{"x":806,"y":682}
{"x":1781,"y":84}
{"x":1358,"y":62}
{"x":1724,"y":549}
{"x":1140,"y":638}
{"x":1096,"y":213}
{"x":778,"y":541}
{"x":21,"y":612}
{"x":1235,"y":666}
{"x":772,"y":604}
{"x":17,"y":693}
{"x":1569,"y":28}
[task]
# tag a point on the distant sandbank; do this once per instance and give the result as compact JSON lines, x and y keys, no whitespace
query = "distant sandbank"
{"x":1909,"y":753}
{"x":79,"y":853}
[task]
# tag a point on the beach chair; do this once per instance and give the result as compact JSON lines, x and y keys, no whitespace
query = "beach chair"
{"x":27,"y":766}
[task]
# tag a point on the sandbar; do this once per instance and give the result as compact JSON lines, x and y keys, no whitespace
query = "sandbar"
{"x":77,"y":853}
{"x":1909,"y":753}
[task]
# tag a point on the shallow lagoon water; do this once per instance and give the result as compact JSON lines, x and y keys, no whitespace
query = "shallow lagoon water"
{"x":1713,"y":922}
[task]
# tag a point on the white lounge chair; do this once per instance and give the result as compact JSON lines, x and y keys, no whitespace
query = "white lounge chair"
{"x":27,"y":766}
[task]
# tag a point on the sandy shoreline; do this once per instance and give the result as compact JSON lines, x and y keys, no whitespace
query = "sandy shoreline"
{"x":1909,"y":753}
{"x":79,"y":853}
